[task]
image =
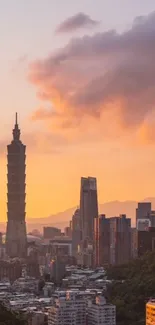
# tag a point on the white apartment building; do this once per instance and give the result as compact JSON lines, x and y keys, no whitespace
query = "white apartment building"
{"x":79,"y":302}
{"x":69,"y":310}
{"x":101,"y":313}
{"x":62,"y":313}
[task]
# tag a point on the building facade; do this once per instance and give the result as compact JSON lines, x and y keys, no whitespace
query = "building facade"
{"x":102,"y":241}
{"x":76,"y":232}
{"x":88,"y":207}
{"x":16,"y":243}
{"x":101,"y":313}
{"x":143,"y":210}
{"x":133,"y":243}
{"x":70,"y":309}
{"x":145,"y":241}
{"x":51,"y":232}
{"x":120,"y":240}
{"x":63,"y":312}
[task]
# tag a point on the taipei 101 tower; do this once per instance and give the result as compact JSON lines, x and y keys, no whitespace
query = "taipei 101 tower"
{"x":16,"y":243}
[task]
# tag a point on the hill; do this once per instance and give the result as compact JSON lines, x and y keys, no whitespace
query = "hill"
{"x":61,"y":219}
{"x":131,"y":295}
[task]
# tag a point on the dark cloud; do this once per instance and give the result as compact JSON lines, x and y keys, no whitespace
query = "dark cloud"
{"x":106,"y":71}
{"x":75,"y":22}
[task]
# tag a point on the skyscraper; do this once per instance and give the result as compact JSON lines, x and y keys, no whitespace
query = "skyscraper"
{"x":76,"y":232}
{"x":120,"y":239}
{"x":88,"y":207}
{"x":16,"y":245}
{"x":102,"y":241}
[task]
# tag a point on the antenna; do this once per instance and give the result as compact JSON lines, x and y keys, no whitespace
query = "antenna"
{"x":16,"y":118}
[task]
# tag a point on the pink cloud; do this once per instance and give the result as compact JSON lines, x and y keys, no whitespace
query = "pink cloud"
{"x":104,"y":74}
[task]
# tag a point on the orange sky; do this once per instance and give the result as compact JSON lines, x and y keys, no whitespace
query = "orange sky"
{"x":85,"y":97}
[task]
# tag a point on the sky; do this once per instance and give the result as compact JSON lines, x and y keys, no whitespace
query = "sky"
{"x":81,"y":76}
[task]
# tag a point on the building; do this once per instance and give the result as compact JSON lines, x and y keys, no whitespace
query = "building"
{"x":145,"y":241}
{"x":68,"y":310}
{"x":88,"y":206}
{"x":51,"y":232}
{"x":143,"y":210}
{"x":152,"y":218}
{"x":76,"y":232}
{"x":150,"y":312}
{"x":16,"y":243}
{"x":63,"y":312}
{"x":11,"y":269}
{"x":79,"y":303}
{"x":120,"y":239}
{"x":57,"y":269}
{"x":133,"y":243}
{"x":68,"y":231}
{"x":61,"y":245}
{"x":101,"y":313}
{"x":37,"y":318}
{"x":143,"y":224}
{"x":102,"y":241}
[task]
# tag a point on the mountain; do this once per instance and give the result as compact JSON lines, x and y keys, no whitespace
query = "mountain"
{"x":61,"y":219}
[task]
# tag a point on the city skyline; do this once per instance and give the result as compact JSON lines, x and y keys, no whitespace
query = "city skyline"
{"x":64,"y":144}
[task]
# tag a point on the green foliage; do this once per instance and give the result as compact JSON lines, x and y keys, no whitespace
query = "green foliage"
{"x":131,"y":295}
{"x":8,"y":317}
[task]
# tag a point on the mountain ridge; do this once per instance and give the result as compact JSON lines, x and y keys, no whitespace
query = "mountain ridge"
{"x":110,"y":209}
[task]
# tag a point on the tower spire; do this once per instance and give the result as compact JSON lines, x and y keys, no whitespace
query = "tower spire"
{"x":16,"y":120}
{"x":16,"y":130}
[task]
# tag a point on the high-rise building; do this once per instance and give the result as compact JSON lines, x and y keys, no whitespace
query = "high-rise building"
{"x":144,"y":208}
{"x":16,"y":244}
{"x":88,"y":207}
{"x":133,"y":243}
{"x":57,"y":270}
{"x":145,"y":241}
{"x":150,"y":312}
{"x":152,"y":218}
{"x":120,"y":239}
{"x":102,"y":241}
{"x":76,"y":232}
{"x":101,"y":313}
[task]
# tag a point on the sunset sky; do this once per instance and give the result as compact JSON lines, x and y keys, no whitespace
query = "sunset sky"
{"x":81,"y":75}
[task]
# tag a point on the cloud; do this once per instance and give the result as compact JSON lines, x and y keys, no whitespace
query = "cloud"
{"x":78,"y":21}
{"x":108,"y":77}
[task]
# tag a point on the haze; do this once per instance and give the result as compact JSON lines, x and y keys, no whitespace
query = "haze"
{"x":81,"y":76}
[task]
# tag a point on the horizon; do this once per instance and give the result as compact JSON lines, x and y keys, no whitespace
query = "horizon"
{"x":83,"y":86}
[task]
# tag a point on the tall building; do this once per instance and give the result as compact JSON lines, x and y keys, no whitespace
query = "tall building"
{"x":145,"y":241}
{"x":102,"y":241}
{"x":144,"y":208}
{"x":120,"y":239}
{"x":101,"y":313}
{"x":133,"y":243}
{"x":150,"y":312}
{"x":16,"y":244}
{"x":76,"y":232}
{"x":88,"y":206}
{"x":57,"y":270}
{"x":152,"y":218}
